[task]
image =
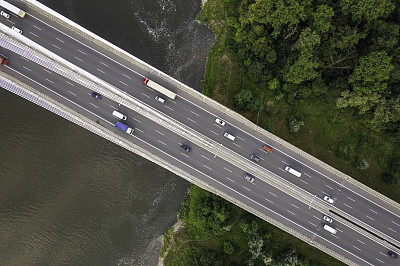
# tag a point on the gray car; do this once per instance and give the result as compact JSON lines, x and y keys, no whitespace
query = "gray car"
{"x":254,"y":157}
{"x":248,"y":177}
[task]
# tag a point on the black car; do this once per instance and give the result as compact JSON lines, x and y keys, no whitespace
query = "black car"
{"x":392,"y":254}
{"x":185,"y":148}
{"x":96,"y":95}
{"x":254,"y":157}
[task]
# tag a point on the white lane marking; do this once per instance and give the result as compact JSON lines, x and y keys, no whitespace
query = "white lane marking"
{"x":290,"y":212}
{"x":185,"y":155}
{"x":36,"y":27}
{"x":313,"y":224}
{"x":379,"y":260}
{"x":56,"y":46}
{"x":295,"y":206}
{"x":159,"y":132}
{"x":347,"y":205}
{"x":47,"y":71}
{"x":316,"y":217}
{"x":357,"y":248}
{"x":338,"y":238}
{"x":50,"y":81}
{"x":206,"y":166}
{"x":246,"y":188}
{"x":34,"y":34}
{"x":72,"y":93}
{"x":26,"y":68}
{"x":329,"y":187}
{"x":204,"y":157}
{"x":126,"y":76}
{"x":168,"y":107}
{"x":369,"y":217}
{"x":272,"y":194}
{"x":70,"y":83}
{"x":101,"y":71}
{"x":303,"y":173}
{"x":137,"y":120}
{"x":360,"y":241}
{"x":161,"y":142}
{"x":230,"y":179}
{"x":194,"y":113}
{"x":191,"y":120}
{"x":139,"y":130}
{"x":214,"y":132}
{"x":123,"y":83}
{"x":146,"y":95}
{"x":94,"y":105}
{"x":396,"y":223}
{"x":303,"y":181}
{"x":351,"y":199}
{"x":25,"y":59}
{"x":373,"y":211}
{"x":383,"y":254}
{"x":227,"y":170}
{"x":236,"y":144}
{"x":104,"y":64}
{"x":240,"y":138}
{"x":392,"y":229}
{"x":269,"y":200}
{"x":59,"y":40}
{"x":79,"y":59}
{"x":82,"y":52}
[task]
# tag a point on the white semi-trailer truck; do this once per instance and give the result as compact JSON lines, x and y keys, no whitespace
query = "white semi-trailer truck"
{"x":159,"y":88}
{"x":12,"y":8}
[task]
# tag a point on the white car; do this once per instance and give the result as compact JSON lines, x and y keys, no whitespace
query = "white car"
{"x":16,"y":29}
{"x":327,"y":219}
{"x":220,"y":121}
{"x":328,"y":199}
{"x":4,"y":14}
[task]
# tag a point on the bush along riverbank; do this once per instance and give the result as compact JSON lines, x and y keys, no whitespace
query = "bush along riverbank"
{"x":324,"y":76}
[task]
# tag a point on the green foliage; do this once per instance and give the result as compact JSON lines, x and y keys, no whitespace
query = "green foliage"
{"x":249,"y":224}
{"x":303,"y":69}
{"x":390,"y":178}
{"x":244,"y":100}
{"x":273,"y":84}
{"x":322,"y":18}
{"x":394,"y":176}
{"x":270,"y":128}
{"x":294,"y":125}
{"x":228,"y":247}
{"x":183,"y":213}
{"x":367,"y":10}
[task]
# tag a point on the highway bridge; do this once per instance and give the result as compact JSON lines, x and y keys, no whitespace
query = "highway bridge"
{"x":57,"y":64}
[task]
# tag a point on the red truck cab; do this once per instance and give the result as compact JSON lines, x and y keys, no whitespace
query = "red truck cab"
{"x":3,"y":60}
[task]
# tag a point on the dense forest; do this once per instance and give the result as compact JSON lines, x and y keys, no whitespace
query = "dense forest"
{"x":323,"y":75}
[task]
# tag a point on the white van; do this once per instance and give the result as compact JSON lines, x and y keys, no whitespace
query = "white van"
{"x":118,"y":115}
{"x":330,"y":229}
{"x":229,"y":136}
{"x":292,"y":171}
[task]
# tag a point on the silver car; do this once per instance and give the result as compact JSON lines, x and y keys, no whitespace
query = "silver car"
{"x":4,"y":14}
{"x":16,"y":29}
{"x":248,"y":177}
{"x":254,"y":157}
{"x":219,"y":121}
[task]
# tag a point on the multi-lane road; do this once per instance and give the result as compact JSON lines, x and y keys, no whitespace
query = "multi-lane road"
{"x":360,"y":209}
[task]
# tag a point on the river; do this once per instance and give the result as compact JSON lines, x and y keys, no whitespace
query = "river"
{"x":69,"y":197}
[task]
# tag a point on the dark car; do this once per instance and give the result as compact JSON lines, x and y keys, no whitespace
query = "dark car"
{"x":392,"y":254}
{"x":185,"y":148}
{"x":254,"y":157}
{"x":3,"y":60}
{"x":96,"y":95}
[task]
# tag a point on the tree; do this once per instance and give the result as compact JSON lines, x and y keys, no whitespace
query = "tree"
{"x":303,"y":69}
{"x":228,"y":247}
{"x":249,"y":224}
{"x":243,"y":98}
{"x":367,"y":10}
{"x":294,"y":125}
{"x":307,"y":41}
{"x":322,"y":17}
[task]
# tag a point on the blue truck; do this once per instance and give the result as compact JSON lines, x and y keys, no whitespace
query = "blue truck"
{"x":124,"y":127}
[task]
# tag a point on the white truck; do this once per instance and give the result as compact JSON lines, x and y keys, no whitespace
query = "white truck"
{"x":159,"y":88}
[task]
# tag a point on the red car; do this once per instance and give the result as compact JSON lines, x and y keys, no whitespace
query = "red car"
{"x":267,"y":148}
{"x":3,"y":60}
